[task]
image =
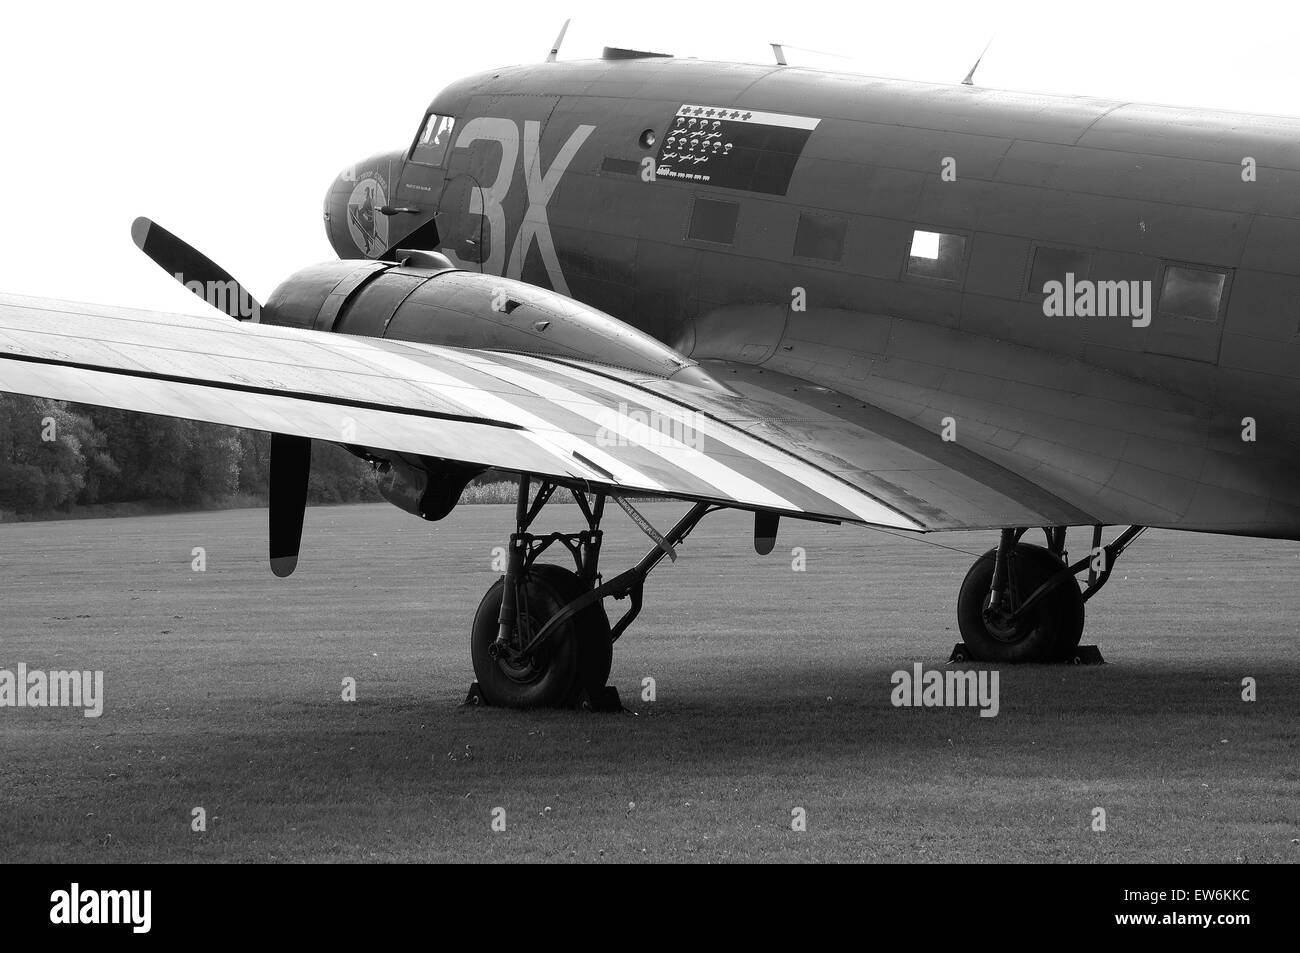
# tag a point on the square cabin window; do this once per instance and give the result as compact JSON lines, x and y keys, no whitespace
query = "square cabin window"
{"x":819,"y":237}
{"x":1053,"y":264}
{"x":1191,"y":292}
{"x":936,"y":255}
{"x":714,"y":221}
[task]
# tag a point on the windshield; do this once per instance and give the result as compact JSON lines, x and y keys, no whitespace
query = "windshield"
{"x":435,"y":139}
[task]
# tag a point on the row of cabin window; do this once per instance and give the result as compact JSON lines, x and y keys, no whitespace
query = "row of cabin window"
{"x":1186,"y":290}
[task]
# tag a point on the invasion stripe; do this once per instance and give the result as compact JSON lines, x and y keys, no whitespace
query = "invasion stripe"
{"x":558,"y":441}
{"x":856,"y":501}
{"x":730,"y":482}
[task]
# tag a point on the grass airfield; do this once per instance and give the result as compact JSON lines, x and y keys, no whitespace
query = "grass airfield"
{"x":772,"y":693}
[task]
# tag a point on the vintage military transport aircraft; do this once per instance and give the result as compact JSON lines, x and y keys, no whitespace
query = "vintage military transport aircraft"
{"x":910,"y":306}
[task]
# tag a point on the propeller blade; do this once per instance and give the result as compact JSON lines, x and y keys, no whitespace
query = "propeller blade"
{"x":195,"y":270}
{"x":290,"y":467}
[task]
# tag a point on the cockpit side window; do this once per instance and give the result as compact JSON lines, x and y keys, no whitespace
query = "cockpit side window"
{"x":434,"y":140}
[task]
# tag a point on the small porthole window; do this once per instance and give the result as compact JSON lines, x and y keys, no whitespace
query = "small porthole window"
{"x":648,"y":139}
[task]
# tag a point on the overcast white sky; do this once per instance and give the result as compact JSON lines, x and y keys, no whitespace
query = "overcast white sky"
{"x":227,"y":122}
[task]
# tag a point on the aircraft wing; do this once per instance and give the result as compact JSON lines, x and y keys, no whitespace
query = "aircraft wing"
{"x":940,"y":484}
{"x":766,"y":446}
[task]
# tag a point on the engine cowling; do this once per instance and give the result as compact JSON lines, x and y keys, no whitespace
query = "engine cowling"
{"x":424,"y":299}
{"x":425,"y":487}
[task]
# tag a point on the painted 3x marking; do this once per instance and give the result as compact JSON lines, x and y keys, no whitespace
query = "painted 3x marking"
{"x":489,"y":202}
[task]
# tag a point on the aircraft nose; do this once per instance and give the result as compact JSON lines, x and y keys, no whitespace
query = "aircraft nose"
{"x":355,"y":206}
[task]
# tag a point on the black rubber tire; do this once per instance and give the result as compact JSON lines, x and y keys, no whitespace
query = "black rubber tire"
{"x":1050,"y":634}
{"x":552,"y":680}
{"x":595,"y":647}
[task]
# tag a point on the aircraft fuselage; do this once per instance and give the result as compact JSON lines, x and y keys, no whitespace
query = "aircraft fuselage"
{"x":1101,"y":290}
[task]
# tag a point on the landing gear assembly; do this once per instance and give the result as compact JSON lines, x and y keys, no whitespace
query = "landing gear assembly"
{"x":541,"y":638}
{"x":1022,"y":603}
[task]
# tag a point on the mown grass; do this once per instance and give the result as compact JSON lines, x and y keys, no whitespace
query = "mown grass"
{"x":223,"y":691}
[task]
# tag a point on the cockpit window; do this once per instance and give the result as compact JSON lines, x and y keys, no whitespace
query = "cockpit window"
{"x":435,"y":139}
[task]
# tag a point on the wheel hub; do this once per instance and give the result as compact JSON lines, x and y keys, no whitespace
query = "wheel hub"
{"x":1000,"y":626}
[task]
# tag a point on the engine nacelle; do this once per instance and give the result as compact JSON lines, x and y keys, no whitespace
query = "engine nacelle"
{"x":425,"y":299}
{"x":429,"y":490}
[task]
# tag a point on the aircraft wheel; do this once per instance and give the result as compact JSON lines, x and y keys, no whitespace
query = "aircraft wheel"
{"x":595,"y":647}
{"x":1049,"y":633}
{"x":549,"y":678}
{"x":578,"y":656}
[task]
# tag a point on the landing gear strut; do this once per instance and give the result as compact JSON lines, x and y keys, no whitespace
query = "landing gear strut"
{"x":1022,"y":603}
{"x":541,"y":638}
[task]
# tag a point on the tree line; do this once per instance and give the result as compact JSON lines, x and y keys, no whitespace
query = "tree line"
{"x":56,"y":457}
